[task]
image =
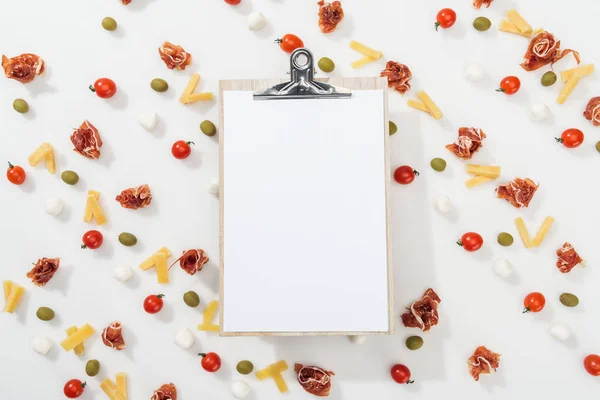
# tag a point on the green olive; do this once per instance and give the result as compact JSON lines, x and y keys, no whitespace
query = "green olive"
{"x":69,"y":177}
{"x":45,"y":313}
{"x":569,"y":300}
{"x":159,"y":85}
{"x":191,"y":298}
{"x":92,"y":367}
{"x":548,"y":79}
{"x":505,"y":239}
{"x":244,"y":367}
{"x":414,"y":342}
{"x":109,"y":24}
{"x":482,"y":24}
{"x":393,"y":128}
{"x":438,"y":164}
{"x":598,"y":147}
{"x":127,"y":239}
{"x":208,"y":128}
{"x":20,"y":106}
{"x":326,"y":64}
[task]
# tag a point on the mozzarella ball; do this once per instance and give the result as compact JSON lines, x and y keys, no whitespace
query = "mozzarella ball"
{"x":184,"y":339}
{"x":503,"y":268}
{"x":122,"y":273}
{"x":41,"y":345}
{"x":442,"y":204}
{"x":149,"y":120}
{"x":214,"y":187}
{"x":54,"y":206}
{"x":474,"y":73}
{"x":240,"y":389}
{"x":539,"y":112}
{"x":256,"y":21}
{"x":357,"y":339}
{"x":560,"y":331}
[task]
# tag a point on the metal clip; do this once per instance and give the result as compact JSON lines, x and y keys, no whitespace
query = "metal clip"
{"x":302,"y":85}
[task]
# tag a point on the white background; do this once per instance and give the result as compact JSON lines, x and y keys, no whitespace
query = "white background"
{"x":477,"y":308}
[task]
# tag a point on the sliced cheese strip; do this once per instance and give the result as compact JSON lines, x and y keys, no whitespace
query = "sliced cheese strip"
{"x":582,"y":70}
{"x":189,"y":89}
{"x":209,"y":328}
{"x":78,"y":337}
{"x":418,"y":105}
{"x":364,"y":50}
{"x":478,"y":180}
{"x":568,"y":88}
{"x":162,"y":269}
{"x":523,"y":233}
{"x":544,"y":229}
{"x":111,"y":390}
{"x":79,"y":349}
{"x":14,"y":297}
{"x":209,"y":312}
{"x":514,"y":17}
{"x":8,"y":285}
{"x":507,"y":26}
{"x":51,"y":162}
{"x":484,"y":170}
{"x":191,"y":98}
{"x":151,"y":261}
{"x":121,"y":379}
{"x":274,"y":371}
{"x":431,"y":106}
{"x":41,"y":154}
{"x":87,"y":214}
{"x":95,"y":210}
{"x":362,"y":62}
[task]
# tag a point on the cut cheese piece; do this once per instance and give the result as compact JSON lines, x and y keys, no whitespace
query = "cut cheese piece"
{"x":362,"y":62}
{"x":364,"y":50}
{"x":568,"y":88}
{"x":190,"y":98}
{"x":544,"y":229}
{"x":507,"y":26}
{"x":111,"y":390}
{"x":418,"y":105}
{"x":209,"y":312}
{"x":87,"y":214}
{"x":162,"y":269}
{"x":274,"y":371}
{"x":209,"y":328}
{"x":74,"y":339}
{"x":189,"y":89}
{"x":582,"y":70}
{"x":151,"y":261}
{"x":13,"y":299}
{"x":484,"y":170}
{"x":93,"y":209}
{"x":8,"y":285}
{"x":44,"y":152}
{"x":514,"y":17}
{"x":51,"y":162}
{"x":121,"y":379}
{"x":478,"y":180}
{"x":431,"y":106}
{"x":79,"y":349}
{"x":523,"y":233}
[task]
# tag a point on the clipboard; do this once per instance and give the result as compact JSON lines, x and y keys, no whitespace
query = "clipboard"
{"x":304,"y":221}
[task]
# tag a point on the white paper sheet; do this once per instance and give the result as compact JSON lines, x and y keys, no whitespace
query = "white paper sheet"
{"x":304,"y":214}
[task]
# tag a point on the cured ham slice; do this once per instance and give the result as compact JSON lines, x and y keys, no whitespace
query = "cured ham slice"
{"x":22,"y":68}
{"x":423,"y":313}
{"x":518,"y":192}
{"x":469,"y":141}
{"x":135,"y":198}
{"x":478,"y":3}
{"x":544,"y":49}
{"x":192,"y":261}
{"x":112,"y":336}
{"x":398,"y":76}
{"x":567,"y":258}
{"x":125,"y":2}
{"x":174,"y":56}
{"x":43,"y":270}
{"x":86,"y":140}
{"x":314,"y":380}
{"x":483,"y":361}
{"x":592,"y":111}
{"x":330,"y":15}
{"x":167,"y":391}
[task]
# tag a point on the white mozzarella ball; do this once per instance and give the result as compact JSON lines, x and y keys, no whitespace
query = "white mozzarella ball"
{"x":503,"y":268}
{"x":54,"y":206}
{"x":122,"y":273}
{"x":539,"y":112}
{"x":41,"y":345}
{"x":256,"y":21}
{"x":357,"y":339}
{"x":474,"y":73}
{"x":214,"y":187}
{"x":184,"y":339}
{"x":560,"y":331}
{"x":240,"y":389}
{"x":442,"y":204}
{"x":149,"y":120}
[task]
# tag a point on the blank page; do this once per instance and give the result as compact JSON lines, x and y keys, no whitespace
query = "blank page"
{"x":304,"y":208}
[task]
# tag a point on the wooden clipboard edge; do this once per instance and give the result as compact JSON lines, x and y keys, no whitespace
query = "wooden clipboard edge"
{"x":349,"y":83}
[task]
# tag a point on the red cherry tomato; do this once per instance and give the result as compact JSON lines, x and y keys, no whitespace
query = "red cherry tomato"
{"x":153,"y":303}
{"x":405,"y":174}
{"x":211,"y":362}
{"x":470,"y":241}
{"x":534,"y":302}
{"x":74,"y":388}
{"x":104,"y":88}
{"x":181,"y":149}
{"x":289,"y":43}
{"x":445,"y":18}
{"x":592,"y":364}
{"x":509,"y":85}
{"x":92,"y":240}
{"x":571,"y":138}
{"x":233,"y":2}
{"x":401,"y":374}
{"x":15,"y":174}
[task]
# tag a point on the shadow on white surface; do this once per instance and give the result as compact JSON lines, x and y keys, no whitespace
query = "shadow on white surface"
{"x":119,"y":101}
{"x":107,"y":156}
{"x":210,"y":276}
{"x":40,"y":85}
{"x":139,"y":5}
{"x":106,"y":251}
{"x":166,"y":314}
{"x":131,"y":341}
{"x":65,"y":215}
{"x":29,"y":185}
{"x":22,"y":309}
{"x":244,"y":8}
{"x":60,"y":281}
{"x":267,"y":32}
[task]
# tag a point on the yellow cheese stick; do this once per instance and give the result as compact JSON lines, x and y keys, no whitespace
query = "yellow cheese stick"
{"x":14,"y":297}
{"x":478,"y":180}
{"x":78,"y":337}
{"x":362,"y":62}
{"x":418,"y":105}
{"x":87,"y":214}
{"x":8,"y":285}
{"x":274,"y":371}
{"x":210,"y":311}
{"x":568,"y":88}
{"x":151,"y":261}
{"x":431,"y":106}
{"x":191,"y":85}
{"x":514,"y":17}
{"x":507,"y":26}
{"x":582,"y":70}
{"x":110,"y":390}
{"x":121,"y":379}
{"x":523,"y":233}
{"x":95,"y":209}
{"x":190,"y":98}
{"x":51,"y":162}
{"x":364,"y":50}
{"x":162,"y":269}
{"x":484,"y":170}
{"x":544,"y":229}
{"x":209,"y":328}
{"x":40,"y":154}
{"x":79,"y":349}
